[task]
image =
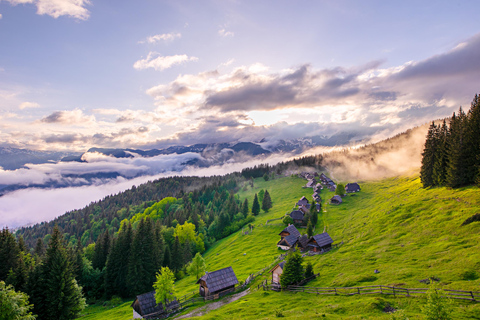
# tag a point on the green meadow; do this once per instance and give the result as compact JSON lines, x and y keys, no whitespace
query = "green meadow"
{"x":394,"y":225}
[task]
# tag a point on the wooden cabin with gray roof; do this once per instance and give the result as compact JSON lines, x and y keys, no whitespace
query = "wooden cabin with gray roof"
{"x":297,"y":216}
{"x":320,"y":242}
{"x":145,"y":307}
{"x":222,"y":281}
{"x":352,"y":187}
{"x":302,"y":202}
{"x":336,"y":200}
{"x":288,"y":237}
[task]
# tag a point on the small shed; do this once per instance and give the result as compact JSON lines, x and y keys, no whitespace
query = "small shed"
{"x":302,"y":202}
{"x":311,"y":183}
{"x":352,"y":187}
{"x":145,"y":307}
{"x":223,"y":280}
{"x":287,"y":242}
{"x":320,"y":242}
{"x":290,"y":230}
{"x":297,"y":216}
{"x":276,"y":272}
{"x":336,"y":200}
{"x":302,"y":243}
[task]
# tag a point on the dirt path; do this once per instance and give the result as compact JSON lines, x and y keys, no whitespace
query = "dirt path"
{"x":212,"y":306}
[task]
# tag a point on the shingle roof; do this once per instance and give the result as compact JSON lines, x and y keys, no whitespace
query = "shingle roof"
{"x":297,"y":215}
{"x":220,"y":279}
{"x":147,"y":304}
{"x":322,"y":239}
{"x":291,"y":230}
{"x":350,"y":187}
{"x":303,"y":240}
{"x":337,"y":199}
{"x":291,"y":239}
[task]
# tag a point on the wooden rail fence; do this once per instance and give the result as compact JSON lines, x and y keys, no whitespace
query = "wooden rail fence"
{"x":377,"y":289}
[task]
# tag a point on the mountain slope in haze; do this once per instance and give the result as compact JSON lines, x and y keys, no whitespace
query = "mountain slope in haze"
{"x":13,"y":158}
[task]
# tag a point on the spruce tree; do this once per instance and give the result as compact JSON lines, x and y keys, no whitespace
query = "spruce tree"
{"x":428,"y":157}
{"x":39,"y":249}
{"x":167,"y":257}
{"x":102,"y":247}
{"x":177,"y":255}
{"x":9,"y":253}
{"x":456,"y":175}
{"x":62,"y":298}
{"x":292,"y":269}
{"x":245,"y":208}
{"x":472,"y":137}
{"x":255,"y":206}
{"x":439,"y":167}
{"x":267,"y":201}
{"x":313,"y":213}
{"x":309,"y":229}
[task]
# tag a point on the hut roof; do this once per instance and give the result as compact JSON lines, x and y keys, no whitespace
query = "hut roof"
{"x":352,"y":187}
{"x":291,"y":240}
{"x":311,"y":183}
{"x":297,"y":215}
{"x":148,"y":306}
{"x":322,"y":239}
{"x":291,"y":230}
{"x":220,"y":279}
{"x":336,"y":198}
{"x":303,"y":240}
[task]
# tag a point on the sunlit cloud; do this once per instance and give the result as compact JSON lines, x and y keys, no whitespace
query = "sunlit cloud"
{"x":160,"y":63}
{"x":162,"y":37}
{"x":57,"y":8}
{"x":27,"y":105}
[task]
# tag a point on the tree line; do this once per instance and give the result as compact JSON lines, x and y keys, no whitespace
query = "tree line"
{"x":451,"y":156}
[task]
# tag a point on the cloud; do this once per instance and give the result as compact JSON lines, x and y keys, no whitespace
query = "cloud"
{"x":162,"y":37}
{"x":224,"y":33}
{"x":27,"y":105}
{"x":57,"y":8}
{"x":68,"y":117}
{"x":1,"y":16}
{"x":160,"y":63}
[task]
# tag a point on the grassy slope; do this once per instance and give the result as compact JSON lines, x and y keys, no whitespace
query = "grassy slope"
{"x":393,"y":225}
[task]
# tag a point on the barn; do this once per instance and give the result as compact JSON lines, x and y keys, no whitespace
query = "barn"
{"x":220,"y":281}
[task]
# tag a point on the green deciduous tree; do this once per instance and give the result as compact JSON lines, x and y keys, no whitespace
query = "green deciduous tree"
{"x":14,"y":305}
{"x":340,"y":190}
{"x":255,"y":206}
{"x":164,"y":286}
{"x":197,"y":266}
{"x":437,"y":307}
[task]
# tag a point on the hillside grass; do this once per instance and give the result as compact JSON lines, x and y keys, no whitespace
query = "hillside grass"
{"x":394,"y":225}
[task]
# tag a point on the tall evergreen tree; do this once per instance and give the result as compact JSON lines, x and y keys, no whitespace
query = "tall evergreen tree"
{"x":102,"y":247}
{"x":472,"y":137}
{"x":456,"y":175}
{"x":267,"y":201}
{"x":167,"y":257}
{"x":309,"y":228}
{"x":58,"y":296}
{"x":292,"y":270}
{"x":39,"y":249}
{"x":245,"y":207}
{"x":255,"y":206}
{"x":9,"y":253}
{"x":142,"y":262}
{"x":428,"y":157}
{"x":440,"y":163}
{"x":313,"y":213}
{"x":177,"y":255}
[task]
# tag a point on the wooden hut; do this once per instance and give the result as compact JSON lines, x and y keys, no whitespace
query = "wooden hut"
{"x":352,"y":187}
{"x":336,"y":200}
{"x":297,"y":216}
{"x":145,"y":307}
{"x":277,"y":272}
{"x":303,"y":201}
{"x":302,"y":243}
{"x":289,"y":230}
{"x":220,"y":281}
{"x":320,"y":242}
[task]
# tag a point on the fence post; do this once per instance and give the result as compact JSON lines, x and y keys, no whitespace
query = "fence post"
{"x":471,"y":293}
{"x":381,"y":290}
{"x":358,"y":290}
{"x":393,"y":291}
{"x":335,"y":291}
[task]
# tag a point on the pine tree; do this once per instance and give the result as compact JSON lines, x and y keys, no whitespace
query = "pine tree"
{"x":440,"y":164}
{"x":255,"y":206}
{"x":309,"y":270}
{"x":267,"y":201}
{"x":428,"y":157}
{"x":245,"y":208}
{"x":58,"y":292}
{"x":313,"y":213}
{"x":309,"y":229}
{"x":167,"y":257}
{"x":39,"y":250}
{"x":177,"y":255}
{"x":9,"y":253}
{"x":142,"y":262}
{"x":187,"y":252}
{"x":292,"y":270}
{"x":456,"y":175}
{"x":102,"y":247}
{"x":472,"y":137}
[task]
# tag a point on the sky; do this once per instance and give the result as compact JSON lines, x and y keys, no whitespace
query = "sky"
{"x":76,"y":74}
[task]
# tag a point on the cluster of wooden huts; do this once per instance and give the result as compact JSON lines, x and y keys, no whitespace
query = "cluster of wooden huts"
{"x":216,"y":283}
{"x":290,"y":238}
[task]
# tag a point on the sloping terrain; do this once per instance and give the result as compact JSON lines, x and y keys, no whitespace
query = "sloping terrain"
{"x":406,"y":232}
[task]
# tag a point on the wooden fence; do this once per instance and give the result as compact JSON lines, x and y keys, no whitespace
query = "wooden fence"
{"x":378,"y":289}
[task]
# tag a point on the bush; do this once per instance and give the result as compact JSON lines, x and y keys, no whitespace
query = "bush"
{"x":279,"y":313}
{"x":115,"y":301}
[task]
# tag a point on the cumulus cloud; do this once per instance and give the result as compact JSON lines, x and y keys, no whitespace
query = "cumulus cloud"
{"x":162,"y":37}
{"x":160,"y":63}
{"x":224,"y":33}
{"x":57,"y":8}
{"x":27,"y":105}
